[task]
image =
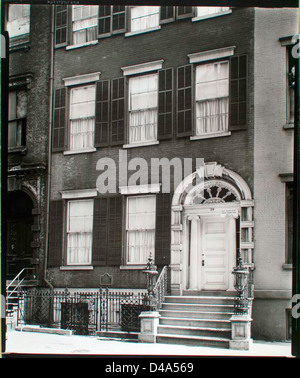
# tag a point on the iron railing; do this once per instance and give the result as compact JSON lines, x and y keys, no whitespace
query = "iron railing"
{"x":162,"y":287}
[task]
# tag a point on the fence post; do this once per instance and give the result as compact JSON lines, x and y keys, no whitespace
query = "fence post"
{"x":149,"y":324}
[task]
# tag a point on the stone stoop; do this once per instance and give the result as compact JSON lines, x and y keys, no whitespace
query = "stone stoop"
{"x":202,"y":320}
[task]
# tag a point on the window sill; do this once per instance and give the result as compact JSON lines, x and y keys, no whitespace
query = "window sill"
{"x":212,"y":135}
{"x":77,"y":267}
{"x":90,"y":43}
{"x":133,"y":267}
{"x":144,"y":144}
{"x":17,"y":150}
{"x":131,"y":34}
{"x":86,"y":151}
{"x":195,"y":19}
{"x":287,"y":266}
{"x":288,"y":126}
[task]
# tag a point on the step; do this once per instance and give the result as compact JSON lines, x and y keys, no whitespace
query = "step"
{"x":209,"y":293}
{"x":225,"y":324}
{"x":196,"y":314}
{"x":193,"y":340}
{"x":194,"y":331}
{"x":118,"y":335}
{"x":200,"y":299}
{"x":198,"y":307}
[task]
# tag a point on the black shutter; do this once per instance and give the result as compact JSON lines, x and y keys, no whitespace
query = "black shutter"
{"x":184,"y":12}
{"x":118,"y":111}
{"x":104,"y":27}
{"x":163,"y":229}
{"x":165,"y":104}
{"x":61,"y":25}
{"x":107,"y":231}
{"x":59,"y":120}
{"x":118,"y":19}
{"x":184,"y":101}
{"x":102,"y":113}
{"x":115,"y":231}
{"x":100,"y":231}
{"x":238,"y":93}
{"x":167,"y":14}
{"x":56,"y":229}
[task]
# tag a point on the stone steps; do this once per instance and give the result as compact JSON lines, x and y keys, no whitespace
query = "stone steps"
{"x":193,"y":340}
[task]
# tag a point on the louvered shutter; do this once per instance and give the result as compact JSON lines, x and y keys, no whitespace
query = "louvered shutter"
{"x":114,"y":251}
{"x":102,"y":113}
{"x":165,"y":104}
{"x":184,"y":101}
{"x":163,"y":229}
{"x":56,"y":223}
{"x":59,"y":120}
{"x":100,"y":231}
{"x":118,"y":111}
{"x":238,"y":93}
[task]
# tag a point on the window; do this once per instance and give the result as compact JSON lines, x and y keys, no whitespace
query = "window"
{"x":84,"y":23}
{"x":143,"y":18}
{"x":210,"y":11}
{"x":212,"y":97}
{"x":111,"y":19}
{"x":17,"y":118}
{"x":18,"y":23}
{"x":289,"y":222}
{"x":140,"y":228}
{"x":290,"y":86}
{"x":79,"y":232}
{"x":143,"y":95}
{"x":82,"y":117}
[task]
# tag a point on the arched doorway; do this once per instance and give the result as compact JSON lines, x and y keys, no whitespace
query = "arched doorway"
{"x":19,"y":232}
{"x":211,"y":223}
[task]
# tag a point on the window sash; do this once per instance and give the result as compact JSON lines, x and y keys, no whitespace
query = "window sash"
{"x":18,"y":20}
{"x":84,"y":23}
{"x":140,"y":228}
{"x":144,"y":17}
{"x":79,"y":232}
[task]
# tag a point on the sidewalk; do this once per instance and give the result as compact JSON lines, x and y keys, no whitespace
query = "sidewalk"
{"x":32,"y":343}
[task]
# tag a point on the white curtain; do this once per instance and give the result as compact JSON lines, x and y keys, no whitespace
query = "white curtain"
{"x":79,"y":232}
{"x":140,"y":228}
{"x":205,"y":11}
{"x":143,"y":18}
{"x":143,"y":108}
{"x":82,"y":117}
{"x":85,"y":21}
{"x":212,"y":98}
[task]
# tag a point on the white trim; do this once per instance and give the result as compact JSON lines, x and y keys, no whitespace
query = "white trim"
{"x":140,"y":189}
{"x":77,"y":267}
{"x":211,"y":54}
{"x":211,"y":135}
{"x":131,"y":34}
{"x":195,"y":19}
{"x":143,"y":67}
{"x":90,"y":43}
{"x":75,"y":152}
{"x":82,"y":79}
{"x":82,"y":193}
{"x":141,"y":144}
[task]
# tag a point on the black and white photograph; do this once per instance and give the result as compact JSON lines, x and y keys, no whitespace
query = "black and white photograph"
{"x":150,"y":181}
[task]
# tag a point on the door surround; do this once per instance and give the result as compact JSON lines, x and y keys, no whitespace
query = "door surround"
{"x":187,"y":196}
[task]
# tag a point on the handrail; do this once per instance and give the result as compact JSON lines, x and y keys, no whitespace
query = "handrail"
{"x":17,"y":276}
{"x":160,"y":289}
{"x":16,"y":288}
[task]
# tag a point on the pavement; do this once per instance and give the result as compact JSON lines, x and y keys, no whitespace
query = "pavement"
{"x":41,"y":343}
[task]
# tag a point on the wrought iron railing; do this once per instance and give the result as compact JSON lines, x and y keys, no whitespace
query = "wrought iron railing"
{"x":243,"y":284}
{"x":161,"y":288}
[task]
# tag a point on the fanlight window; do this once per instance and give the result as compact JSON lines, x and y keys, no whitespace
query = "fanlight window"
{"x":214,"y":192}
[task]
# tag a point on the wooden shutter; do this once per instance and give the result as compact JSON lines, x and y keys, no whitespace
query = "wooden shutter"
{"x":118,"y":19}
{"x":163,"y":229}
{"x":100,"y":231}
{"x":61,"y":25}
{"x":107,"y":231}
{"x":114,"y":252}
{"x":238,"y":93}
{"x":165,"y":104}
{"x":102,"y":113}
{"x":184,"y":101}
{"x":59,"y":120}
{"x":184,"y":12}
{"x":56,"y":229}
{"x":118,"y":111}
{"x":167,"y":14}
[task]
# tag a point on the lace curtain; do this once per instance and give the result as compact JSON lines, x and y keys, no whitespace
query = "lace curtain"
{"x":85,"y":22}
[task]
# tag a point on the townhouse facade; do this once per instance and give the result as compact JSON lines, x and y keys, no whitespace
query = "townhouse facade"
{"x":144,"y":94}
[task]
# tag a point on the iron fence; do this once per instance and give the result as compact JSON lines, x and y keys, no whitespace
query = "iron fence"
{"x":85,"y":313}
